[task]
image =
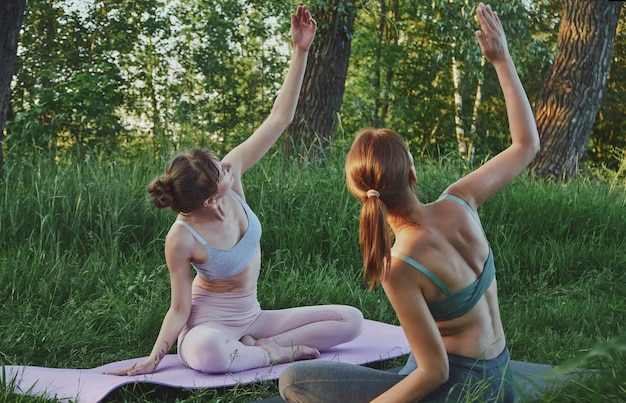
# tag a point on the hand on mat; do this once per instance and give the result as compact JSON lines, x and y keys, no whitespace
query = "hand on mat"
{"x":140,"y":368}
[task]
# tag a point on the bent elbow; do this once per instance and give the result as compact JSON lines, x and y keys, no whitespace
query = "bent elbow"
{"x":181,"y":310}
{"x":529,"y":149}
{"x":438,"y":376}
{"x":442,"y":376}
{"x":279,"y":118}
{"x":285,"y":120}
{"x":535,"y":144}
{"x":535,"y":147}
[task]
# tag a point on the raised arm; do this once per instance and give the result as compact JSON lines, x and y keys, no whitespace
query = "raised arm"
{"x":248,"y":153}
{"x":487,"y":180}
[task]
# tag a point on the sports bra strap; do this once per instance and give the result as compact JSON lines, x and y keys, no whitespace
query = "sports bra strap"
{"x":466,"y":206}
{"x":462,"y":203}
{"x":193,"y":232}
{"x":424,"y":271}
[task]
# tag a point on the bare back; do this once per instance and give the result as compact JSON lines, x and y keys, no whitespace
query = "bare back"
{"x":449,"y":242}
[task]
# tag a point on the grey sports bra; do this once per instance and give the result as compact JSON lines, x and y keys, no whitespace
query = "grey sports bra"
{"x":457,"y":303}
{"x":221,"y":263}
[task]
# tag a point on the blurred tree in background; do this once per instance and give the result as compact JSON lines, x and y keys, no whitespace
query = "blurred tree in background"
{"x":11,"y":16}
{"x":315,"y":124}
{"x":569,"y":100}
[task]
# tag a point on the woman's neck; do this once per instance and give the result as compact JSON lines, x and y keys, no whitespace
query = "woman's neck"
{"x":214,"y":212}
{"x":408,"y":215}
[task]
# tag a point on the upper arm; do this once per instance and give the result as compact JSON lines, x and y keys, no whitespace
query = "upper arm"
{"x":478,"y":186}
{"x":411,"y":308}
{"x":248,"y":153}
{"x":251,"y":150}
{"x":422,"y":334}
{"x":178,"y":258}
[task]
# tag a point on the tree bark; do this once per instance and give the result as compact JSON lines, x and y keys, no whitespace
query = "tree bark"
{"x":314,"y":127}
{"x":11,"y":17}
{"x":570,"y":98}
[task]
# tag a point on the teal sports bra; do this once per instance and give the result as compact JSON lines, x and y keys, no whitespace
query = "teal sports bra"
{"x":457,"y":303}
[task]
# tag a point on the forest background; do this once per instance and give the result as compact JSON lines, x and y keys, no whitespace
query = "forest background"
{"x":123,"y":78}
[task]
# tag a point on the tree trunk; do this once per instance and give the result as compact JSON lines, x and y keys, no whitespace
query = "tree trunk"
{"x":570,"y":98}
{"x":11,"y":17}
{"x":387,"y":36}
{"x":459,"y":131}
{"x":314,"y":127}
{"x":477,"y":99}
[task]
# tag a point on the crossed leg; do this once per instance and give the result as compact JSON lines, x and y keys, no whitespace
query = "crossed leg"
{"x":273,"y":337}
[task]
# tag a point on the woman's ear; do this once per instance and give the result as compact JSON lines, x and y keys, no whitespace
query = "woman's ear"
{"x":207,"y":202}
{"x":412,"y":175}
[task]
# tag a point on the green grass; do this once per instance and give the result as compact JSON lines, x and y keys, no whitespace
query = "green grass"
{"x":83,"y":280}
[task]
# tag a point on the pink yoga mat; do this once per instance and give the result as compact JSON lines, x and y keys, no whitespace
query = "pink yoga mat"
{"x":379,"y":341}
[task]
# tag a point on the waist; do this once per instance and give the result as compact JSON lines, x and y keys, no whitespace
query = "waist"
{"x":241,"y":282}
{"x":209,"y":306}
{"x":201,"y":293}
{"x":500,"y":361}
{"x":466,"y":363}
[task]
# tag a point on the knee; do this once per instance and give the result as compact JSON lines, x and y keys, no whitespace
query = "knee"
{"x":286,"y":377}
{"x":288,"y":383}
{"x":354,"y":318}
{"x":205,"y":350}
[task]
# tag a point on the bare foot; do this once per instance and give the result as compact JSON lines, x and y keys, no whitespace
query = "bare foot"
{"x":248,"y":340}
{"x":279,"y":354}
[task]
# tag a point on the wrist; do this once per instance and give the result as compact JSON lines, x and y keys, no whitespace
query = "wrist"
{"x":300,"y":51}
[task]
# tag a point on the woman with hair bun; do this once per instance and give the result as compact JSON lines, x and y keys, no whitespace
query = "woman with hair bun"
{"x":215,"y":315}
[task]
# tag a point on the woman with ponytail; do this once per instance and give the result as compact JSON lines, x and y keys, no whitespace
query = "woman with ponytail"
{"x":439,"y":273}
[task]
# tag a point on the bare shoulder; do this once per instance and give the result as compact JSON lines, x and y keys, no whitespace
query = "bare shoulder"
{"x":179,"y":244}
{"x":461,"y":189}
{"x":177,"y":234}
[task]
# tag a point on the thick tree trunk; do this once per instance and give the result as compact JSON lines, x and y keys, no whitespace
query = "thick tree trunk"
{"x":570,"y":98}
{"x":314,"y":125}
{"x":11,"y":17}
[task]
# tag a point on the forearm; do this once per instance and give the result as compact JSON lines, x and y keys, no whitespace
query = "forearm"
{"x":173,"y":324}
{"x":417,"y":385}
{"x":521,"y":119}
{"x":286,"y":102}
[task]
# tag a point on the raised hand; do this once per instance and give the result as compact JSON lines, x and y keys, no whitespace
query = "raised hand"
{"x":303,"y":28}
{"x":491,"y":36}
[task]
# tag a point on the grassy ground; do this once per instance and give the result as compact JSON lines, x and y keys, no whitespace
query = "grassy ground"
{"x":83,"y":280}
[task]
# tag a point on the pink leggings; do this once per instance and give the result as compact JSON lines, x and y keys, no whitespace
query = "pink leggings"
{"x":210,"y":341}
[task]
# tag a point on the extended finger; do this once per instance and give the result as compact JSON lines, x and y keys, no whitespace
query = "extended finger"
{"x":487,"y":19}
{"x":302,"y":13}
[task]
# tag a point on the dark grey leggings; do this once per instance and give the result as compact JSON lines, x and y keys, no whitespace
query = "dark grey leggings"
{"x":330,"y":382}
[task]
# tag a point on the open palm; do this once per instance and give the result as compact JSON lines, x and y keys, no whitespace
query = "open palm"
{"x":303,"y":28}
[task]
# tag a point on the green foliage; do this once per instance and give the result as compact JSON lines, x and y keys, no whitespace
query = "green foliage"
{"x":138,"y":76}
{"x":83,"y":279}
{"x":231,"y":70}
{"x":401,"y":72}
{"x":135,"y":77}
{"x":68,"y":83}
